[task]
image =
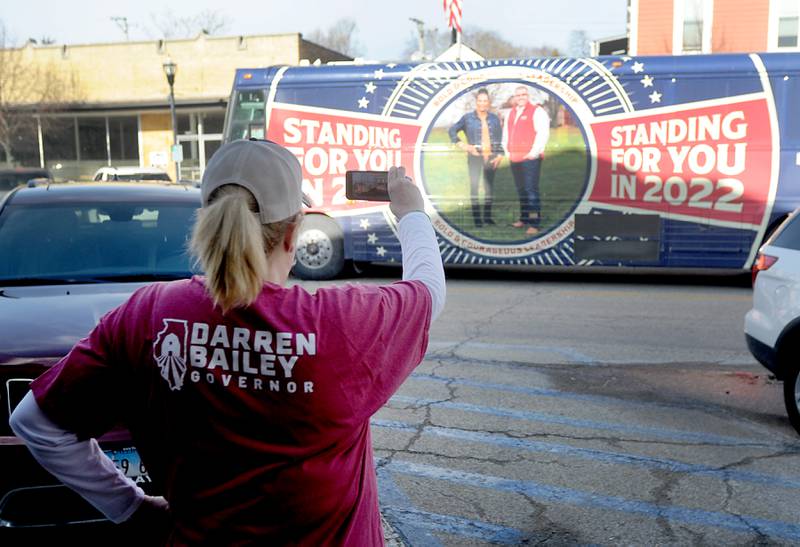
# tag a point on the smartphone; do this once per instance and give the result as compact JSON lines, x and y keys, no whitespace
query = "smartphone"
{"x":367,"y":185}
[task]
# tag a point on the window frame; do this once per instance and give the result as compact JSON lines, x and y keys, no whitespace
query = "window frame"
{"x":679,"y":17}
{"x":772,"y":29}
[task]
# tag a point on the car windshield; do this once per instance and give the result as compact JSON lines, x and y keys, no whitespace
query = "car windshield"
{"x":76,"y":243}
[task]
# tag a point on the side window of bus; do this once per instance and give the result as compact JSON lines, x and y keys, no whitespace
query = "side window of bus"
{"x":247,"y":120}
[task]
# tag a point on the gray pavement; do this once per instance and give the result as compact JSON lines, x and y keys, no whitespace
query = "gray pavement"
{"x":579,"y":411}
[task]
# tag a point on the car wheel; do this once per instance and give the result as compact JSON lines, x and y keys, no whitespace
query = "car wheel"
{"x":320,"y":248}
{"x":791,"y":396}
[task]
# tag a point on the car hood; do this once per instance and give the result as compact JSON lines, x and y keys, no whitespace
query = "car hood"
{"x":44,"y":322}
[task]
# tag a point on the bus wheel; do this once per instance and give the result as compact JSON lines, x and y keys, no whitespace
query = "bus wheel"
{"x":320,"y":248}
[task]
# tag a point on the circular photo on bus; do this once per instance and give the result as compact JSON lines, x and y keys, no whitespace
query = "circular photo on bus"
{"x":505,"y":162}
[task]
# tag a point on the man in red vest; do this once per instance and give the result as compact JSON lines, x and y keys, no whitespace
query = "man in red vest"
{"x":525,"y":135}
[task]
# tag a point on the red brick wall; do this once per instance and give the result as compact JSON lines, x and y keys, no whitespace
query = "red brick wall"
{"x":740,"y":26}
{"x":654,"y":28}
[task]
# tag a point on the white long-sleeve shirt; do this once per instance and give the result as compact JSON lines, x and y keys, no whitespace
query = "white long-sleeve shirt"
{"x":84,"y":467}
{"x":541,"y":125}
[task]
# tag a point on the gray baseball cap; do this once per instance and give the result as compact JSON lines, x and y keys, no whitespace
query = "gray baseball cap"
{"x":271,"y":173}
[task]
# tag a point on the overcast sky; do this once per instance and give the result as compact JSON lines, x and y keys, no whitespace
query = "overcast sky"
{"x":384,"y":28}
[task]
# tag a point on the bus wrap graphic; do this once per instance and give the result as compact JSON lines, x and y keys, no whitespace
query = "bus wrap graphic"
{"x":626,"y":136}
{"x":696,"y":163}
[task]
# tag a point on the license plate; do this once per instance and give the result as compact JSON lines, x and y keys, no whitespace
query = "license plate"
{"x":127,"y":460}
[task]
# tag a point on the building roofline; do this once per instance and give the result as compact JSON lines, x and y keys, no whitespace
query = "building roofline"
{"x":200,"y":36}
{"x":126,"y":105}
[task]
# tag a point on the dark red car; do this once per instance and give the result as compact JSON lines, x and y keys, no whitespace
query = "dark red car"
{"x":70,"y":253}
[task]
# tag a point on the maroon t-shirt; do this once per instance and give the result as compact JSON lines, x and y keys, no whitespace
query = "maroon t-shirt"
{"x":256,"y":422}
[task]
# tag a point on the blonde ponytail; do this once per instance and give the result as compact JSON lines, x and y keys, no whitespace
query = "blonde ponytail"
{"x":232,"y":245}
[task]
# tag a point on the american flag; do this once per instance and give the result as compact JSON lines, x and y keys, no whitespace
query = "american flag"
{"x":452,"y":10}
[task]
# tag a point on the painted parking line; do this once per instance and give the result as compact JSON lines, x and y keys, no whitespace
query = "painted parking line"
{"x":569,"y":496}
{"x":564,"y":351}
{"x":416,"y":525}
{"x":541,"y":417}
{"x":596,"y":455}
{"x":455,"y":526}
{"x":393,"y":498}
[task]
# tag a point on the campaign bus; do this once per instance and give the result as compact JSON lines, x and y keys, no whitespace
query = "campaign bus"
{"x":619,"y":161}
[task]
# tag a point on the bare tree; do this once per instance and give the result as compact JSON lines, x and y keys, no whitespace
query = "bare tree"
{"x":486,"y":42}
{"x":340,"y":36}
{"x":578,"y":43}
{"x":28,"y":91}
{"x":169,"y":25}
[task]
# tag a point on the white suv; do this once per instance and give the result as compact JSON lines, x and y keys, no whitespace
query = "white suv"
{"x":772,"y":327}
{"x":120,"y":174}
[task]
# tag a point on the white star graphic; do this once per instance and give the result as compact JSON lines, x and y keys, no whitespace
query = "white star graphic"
{"x":655,"y":97}
{"x":626,"y":59}
{"x":637,"y":67}
{"x":363,"y":102}
{"x":372,"y":238}
{"x":647,"y":81}
{"x":381,"y":251}
{"x":391,"y":65}
{"x":379,"y":74}
{"x":370,"y":87}
{"x":364,"y":223}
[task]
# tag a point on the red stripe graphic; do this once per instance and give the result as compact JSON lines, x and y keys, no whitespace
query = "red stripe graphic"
{"x":330,"y":143}
{"x":709,"y":164}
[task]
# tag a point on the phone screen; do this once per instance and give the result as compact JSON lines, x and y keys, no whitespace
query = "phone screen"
{"x":367,"y":185}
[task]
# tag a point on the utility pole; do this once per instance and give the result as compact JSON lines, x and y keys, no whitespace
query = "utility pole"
{"x":420,"y":37}
{"x":122,"y":23}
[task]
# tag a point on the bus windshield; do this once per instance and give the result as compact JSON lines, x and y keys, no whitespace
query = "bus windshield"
{"x":246,"y":116}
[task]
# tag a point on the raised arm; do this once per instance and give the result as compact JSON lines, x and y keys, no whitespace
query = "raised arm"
{"x":422,"y":260}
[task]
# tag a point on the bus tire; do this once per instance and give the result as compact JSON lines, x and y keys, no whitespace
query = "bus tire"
{"x":320,"y":248}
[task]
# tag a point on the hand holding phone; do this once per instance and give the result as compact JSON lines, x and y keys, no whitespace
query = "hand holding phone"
{"x":392,"y":185}
{"x":405,"y":195}
{"x":367,"y":185}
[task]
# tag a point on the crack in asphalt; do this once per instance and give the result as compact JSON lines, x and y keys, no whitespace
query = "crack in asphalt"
{"x":660,"y":494}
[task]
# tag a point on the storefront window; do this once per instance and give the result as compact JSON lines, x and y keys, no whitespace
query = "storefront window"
{"x":92,"y":138}
{"x":186,"y":124}
{"x":24,"y":145}
{"x":211,"y":147}
{"x":123,"y":133}
{"x":59,"y":139}
{"x":200,"y":135}
{"x":213,"y":122}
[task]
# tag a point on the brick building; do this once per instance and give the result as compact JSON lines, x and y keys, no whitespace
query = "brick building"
{"x":112,"y":106}
{"x":675,"y":27}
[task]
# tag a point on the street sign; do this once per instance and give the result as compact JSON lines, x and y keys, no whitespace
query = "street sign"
{"x":177,"y":153}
